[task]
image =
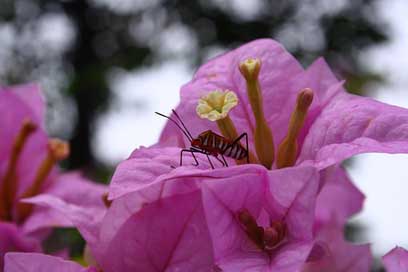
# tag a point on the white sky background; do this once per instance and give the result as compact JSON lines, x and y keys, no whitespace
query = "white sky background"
{"x":383,"y":178}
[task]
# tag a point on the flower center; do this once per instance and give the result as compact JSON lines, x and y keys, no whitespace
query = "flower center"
{"x":216,"y":105}
{"x":9,"y":183}
{"x":265,"y":238}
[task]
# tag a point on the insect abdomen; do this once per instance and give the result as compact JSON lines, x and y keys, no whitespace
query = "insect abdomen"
{"x":235,"y":151}
{"x":219,"y":145}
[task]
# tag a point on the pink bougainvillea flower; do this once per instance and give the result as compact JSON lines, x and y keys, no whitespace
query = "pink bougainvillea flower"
{"x":396,"y":260}
{"x":28,"y":161}
{"x":292,"y":116}
{"x":338,"y":200}
{"x":334,"y":127}
{"x":35,"y":262}
{"x":333,"y":253}
{"x":200,"y":219}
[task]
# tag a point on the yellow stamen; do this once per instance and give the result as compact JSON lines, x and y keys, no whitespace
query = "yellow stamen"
{"x":262,"y":135}
{"x":215,"y":106}
{"x":9,"y":184}
{"x":57,"y":150}
{"x":287,"y":150}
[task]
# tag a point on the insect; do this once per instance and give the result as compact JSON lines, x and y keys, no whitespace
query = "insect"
{"x":210,"y":143}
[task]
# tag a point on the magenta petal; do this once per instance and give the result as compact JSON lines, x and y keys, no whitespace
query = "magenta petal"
{"x":342,"y":255}
{"x":141,"y":169}
{"x":287,"y":193}
{"x":147,"y":166}
{"x":32,"y":96}
{"x":168,"y":235}
{"x":223,"y":200}
{"x":396,"y":260}
{"x":339,"y":198}
{"x":351,"y":125}
{"x":74,"y":189}
{"x":34,"y":262}
{"x":13,"y":111}
{"x":292,"y":192}
{"x":87,"y":220}
{"x":13,"y":239}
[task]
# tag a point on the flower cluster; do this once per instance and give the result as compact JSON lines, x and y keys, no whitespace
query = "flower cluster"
{"x":246,"y":176}
{"x":28,"y":168}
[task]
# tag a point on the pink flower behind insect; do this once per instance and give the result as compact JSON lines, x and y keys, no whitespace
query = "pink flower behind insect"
{"x":396,"y":260}
{"x":27,"y":168}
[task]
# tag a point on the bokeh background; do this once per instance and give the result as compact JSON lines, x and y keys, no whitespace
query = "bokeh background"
{"x":107,"y":65}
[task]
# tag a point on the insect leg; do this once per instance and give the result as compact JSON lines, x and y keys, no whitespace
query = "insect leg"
{"x":246,"y":143}
{"x":218,"y":159}
{"x":225,"y":162}
{"x":192,"y":151}
{"x":208,"y":157}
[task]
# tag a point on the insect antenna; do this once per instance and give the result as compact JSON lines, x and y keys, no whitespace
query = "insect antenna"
{"x":182,"y":123}
{"x":187,"y":134}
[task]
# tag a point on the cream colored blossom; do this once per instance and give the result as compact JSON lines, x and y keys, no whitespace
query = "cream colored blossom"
{"x":216,"y":104}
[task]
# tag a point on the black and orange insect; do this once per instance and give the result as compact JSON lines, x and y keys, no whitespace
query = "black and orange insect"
{"x":210,"y":143}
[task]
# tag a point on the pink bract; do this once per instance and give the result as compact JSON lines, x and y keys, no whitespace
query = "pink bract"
{"x":18,"y":104}
{"x":186,"y":219}
{"x":396,"y":260}
{"x":338,"y":124}
{"x":34,"y":262}
{"x":338,"y":200}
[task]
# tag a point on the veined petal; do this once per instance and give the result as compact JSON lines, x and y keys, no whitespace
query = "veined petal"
{"x":396,"y":260}
{"x":350,"y":125}
{"x":14,"y":111}
{"x":32,"y":96}
{"x":35,"y":262}
{"x":286,"y":193}
{"x":339,"y":198}
{"x":341,"y":255}
{"x":166,"y":235}
{"x":13,"y":239}
{"x":147,"y":166}
{"x":74,"y":189}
